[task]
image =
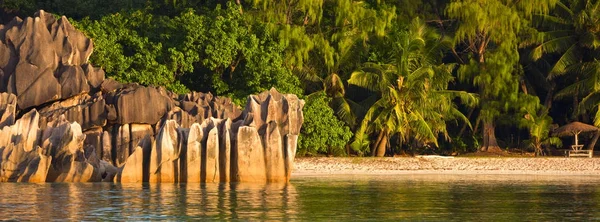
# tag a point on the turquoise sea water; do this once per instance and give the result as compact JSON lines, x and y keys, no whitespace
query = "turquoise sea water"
{"x":403,"y":197}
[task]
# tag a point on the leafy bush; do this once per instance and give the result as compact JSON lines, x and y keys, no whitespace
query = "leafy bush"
{"x":322,"y":131}
{"x":130,"y":49}
{"x":220,"y":51}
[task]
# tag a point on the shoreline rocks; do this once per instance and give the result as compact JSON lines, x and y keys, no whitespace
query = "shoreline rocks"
{"x":61,"y":120}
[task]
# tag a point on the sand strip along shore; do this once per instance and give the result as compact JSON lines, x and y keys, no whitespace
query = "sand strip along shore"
{"x":315,"y":166}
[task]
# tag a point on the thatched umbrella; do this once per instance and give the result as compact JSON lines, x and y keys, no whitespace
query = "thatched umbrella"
{"x":574,"y":128}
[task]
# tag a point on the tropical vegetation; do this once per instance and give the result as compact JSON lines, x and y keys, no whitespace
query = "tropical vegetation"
{"x":380,"y":77}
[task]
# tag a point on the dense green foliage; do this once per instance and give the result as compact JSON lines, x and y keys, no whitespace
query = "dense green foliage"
{"x":218,"y":52}
{"x":322,"y":131}
{"x":384,"y":76}
{"x":130,"y":50}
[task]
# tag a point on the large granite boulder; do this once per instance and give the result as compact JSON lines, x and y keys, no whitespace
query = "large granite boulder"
{"x":92,"y":128}
{"x":249,"y":157}
{"x":217,"y":150}
{"x":23,"y":160}
{"x":41,"y":59}
{"x":193,"y":160}
{"x":87,"y":110}
{"x":196,"y":107}
{"x":210,"y":150}
{"x":64,"y":142}
{"x":8,"y":109}
{"x":278,"y":119}
{"x":138,"y":104}
{"x":135,"y":169}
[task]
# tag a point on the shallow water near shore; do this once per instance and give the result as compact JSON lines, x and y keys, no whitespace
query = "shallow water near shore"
{"x":375,"y":197}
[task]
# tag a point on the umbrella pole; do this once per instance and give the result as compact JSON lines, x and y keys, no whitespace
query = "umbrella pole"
{"x":576,"y":138}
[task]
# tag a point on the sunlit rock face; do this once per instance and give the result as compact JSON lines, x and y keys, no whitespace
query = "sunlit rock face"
{"x":61,"y":120}
{"x":42,"y":58}
{"x":23,"y":159}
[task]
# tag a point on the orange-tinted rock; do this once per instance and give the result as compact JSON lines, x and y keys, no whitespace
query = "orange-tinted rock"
{"x":22,"y":159}
{"x":291,"y":144}
{"x":93,"y":140}
{"x":87,"y":110}
{"x":274,"y":158}
{"x":250,"y":162}
{"x":135,"y":168}
{"x":64,"y":141}
{"x":41,"y":47}
{"x":210,"y":163}
{"x":78,"y":171}
{"x":227,"y":142}
{"x":8,"y":108}
{"x":164,"y":155}
{"x":182,"y":139}
{"x":194,"y":153}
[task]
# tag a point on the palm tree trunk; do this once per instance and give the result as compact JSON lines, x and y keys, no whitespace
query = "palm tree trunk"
{"x":549,"y":95}
{"x":489,"y":137}
{"x":575,"y":105}
{"x":375,"y":145}
{"x":594,"y":140}
{"x":381,"y":144}
{"x":464,"y":127}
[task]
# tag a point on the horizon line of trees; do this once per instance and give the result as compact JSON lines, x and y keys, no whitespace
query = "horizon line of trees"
{"x":380,"y":77}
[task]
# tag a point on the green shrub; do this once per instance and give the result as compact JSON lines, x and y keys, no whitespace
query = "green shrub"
{"x":322,"y":132}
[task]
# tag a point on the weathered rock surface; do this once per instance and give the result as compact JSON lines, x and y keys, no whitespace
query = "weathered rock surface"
{"x":193,"y":154}
{"x":8,"y":109}
{"x":138,"y":104}
{"x":23,"y":160}
{"x":87,"y":110}
{"x":164,"y":155}
{"x":41,"y":59}
{"x":61,"y":120}
{"x":135,"y":169}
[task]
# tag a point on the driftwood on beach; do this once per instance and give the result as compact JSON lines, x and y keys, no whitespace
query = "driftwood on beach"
{"x":63,"y":121}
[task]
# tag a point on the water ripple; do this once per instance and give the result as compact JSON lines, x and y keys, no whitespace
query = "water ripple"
{"x":312,"y":198}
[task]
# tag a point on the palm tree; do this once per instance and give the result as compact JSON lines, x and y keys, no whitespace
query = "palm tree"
{"x":413,"y":100}
{"x":569,"y":42}
{"x":538,"y":123}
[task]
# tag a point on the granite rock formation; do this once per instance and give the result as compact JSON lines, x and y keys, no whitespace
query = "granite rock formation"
{"x":61,"y":120}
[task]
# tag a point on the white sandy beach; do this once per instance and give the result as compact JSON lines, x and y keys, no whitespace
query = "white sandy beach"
{"x":314,"y":166}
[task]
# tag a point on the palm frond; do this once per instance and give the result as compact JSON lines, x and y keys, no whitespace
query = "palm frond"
{"x":553,"y":45}
{"x":466,"y":98}
{"x":555,"y":141}
{"x":590,"y":101}
{"x":457,"y":114}
{"x":546,"y":20}
{"x":575,"y":89}
{"x":535,"y":75}
{"x":420,"y":74}
{"x":367,"y":80}
{"x":597,"y":117}
{"x":361,"y":142}
{"x":342,"y":108}
{"x":422,"y":130}
{"x":568,"y":58}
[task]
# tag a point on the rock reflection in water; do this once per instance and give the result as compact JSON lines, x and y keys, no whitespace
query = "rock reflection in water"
{"x":319,"y":198}
{"x":99,"y":201}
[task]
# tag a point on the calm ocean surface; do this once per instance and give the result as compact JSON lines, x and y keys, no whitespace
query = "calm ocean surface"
{"x":404,"y":197}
